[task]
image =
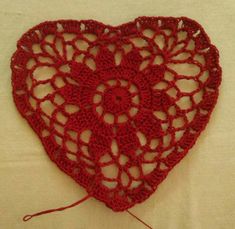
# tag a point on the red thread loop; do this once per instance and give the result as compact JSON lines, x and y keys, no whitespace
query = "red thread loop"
{"x":139,"y":219}
{"x":28,"y":217}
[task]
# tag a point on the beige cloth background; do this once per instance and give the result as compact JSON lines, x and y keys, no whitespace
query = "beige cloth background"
{"x":199,"y":193}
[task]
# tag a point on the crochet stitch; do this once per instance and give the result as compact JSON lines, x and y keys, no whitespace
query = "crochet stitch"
{"x":116,"y":107}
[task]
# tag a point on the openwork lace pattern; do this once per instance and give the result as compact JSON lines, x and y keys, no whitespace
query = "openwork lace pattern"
{"x":116,"y":108}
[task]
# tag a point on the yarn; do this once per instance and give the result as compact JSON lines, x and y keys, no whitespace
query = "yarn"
{"x":116,"y":107}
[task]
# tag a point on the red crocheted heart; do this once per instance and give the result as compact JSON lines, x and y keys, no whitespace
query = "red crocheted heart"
{"x":116,"y":108}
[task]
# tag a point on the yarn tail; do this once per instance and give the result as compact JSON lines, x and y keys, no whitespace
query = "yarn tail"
{"x":28,"y":217}
{"x":139,"y":219}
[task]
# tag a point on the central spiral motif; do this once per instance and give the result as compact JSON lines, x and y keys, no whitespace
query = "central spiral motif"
{"x":116,"y":100}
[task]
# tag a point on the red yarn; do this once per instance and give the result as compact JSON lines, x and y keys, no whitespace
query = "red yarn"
{"x":141,"y":221}
{"x":116,"y":108}
{"x":28,"y":217}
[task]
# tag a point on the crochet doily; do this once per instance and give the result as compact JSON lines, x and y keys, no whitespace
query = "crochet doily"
{"x":116,"y":107}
